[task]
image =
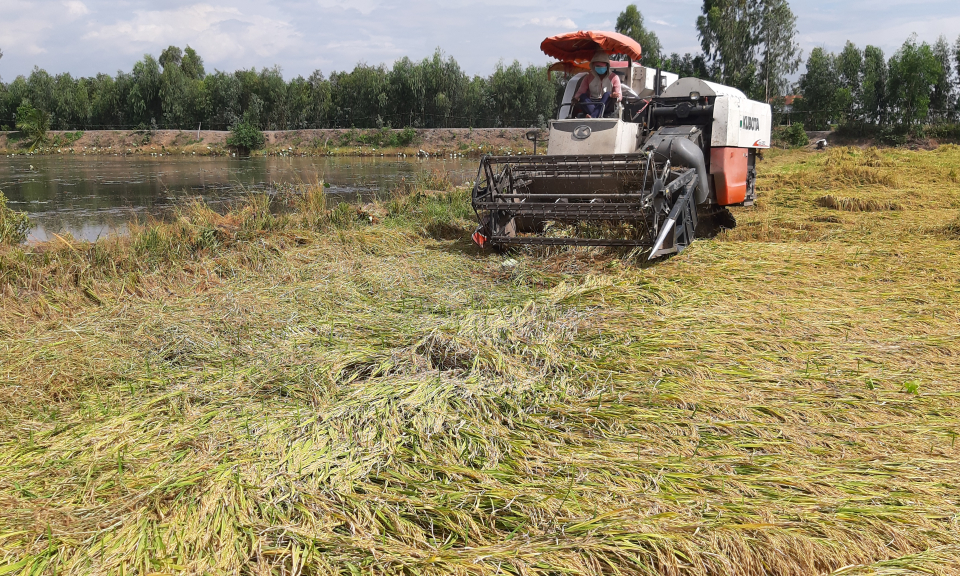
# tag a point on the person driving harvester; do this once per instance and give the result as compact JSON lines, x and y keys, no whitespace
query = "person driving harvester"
{"x":601,"y":85}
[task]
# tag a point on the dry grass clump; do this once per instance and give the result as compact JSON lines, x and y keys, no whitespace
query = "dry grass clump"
{"x":952,"y":230}
{"x":856,"y":204}
{"x":845,"y":156}
{"x":810,"y":230}
{"x":268,"y":392}
{"x":844,"y":167}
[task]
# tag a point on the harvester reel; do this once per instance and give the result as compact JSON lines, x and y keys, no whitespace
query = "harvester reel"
{"x":517,"y":195}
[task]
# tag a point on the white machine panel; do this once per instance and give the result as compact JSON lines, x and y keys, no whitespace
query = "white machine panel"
{"x":683,"y":87}
{"x":644,"y":80}
{"x":592,"y":136}
{"x":741,"y":123}
{"x":738,"y":122}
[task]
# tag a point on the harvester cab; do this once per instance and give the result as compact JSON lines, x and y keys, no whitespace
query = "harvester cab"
{"x":673,"y":152}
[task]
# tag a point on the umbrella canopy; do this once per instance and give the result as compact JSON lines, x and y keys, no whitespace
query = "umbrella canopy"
{"x":581,"y":46}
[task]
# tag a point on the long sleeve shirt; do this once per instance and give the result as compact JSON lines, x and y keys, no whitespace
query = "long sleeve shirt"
{"x":597,"y":87}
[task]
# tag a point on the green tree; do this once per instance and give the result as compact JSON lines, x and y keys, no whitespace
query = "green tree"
{"x":849,"y":64}
{"x":145,"y":100}
{"x":40,"y":89}
{"x":272,"y":92}
{"x":956,"y":61}
{"x":942,"y":98}
{"x":245,"y":137}
{"x":686,"y":66}
{"x":298,"y":102}
{"x":630,"y":23}
{"x":173,"y":90}
{"x":796,"y":136}
{"x":361,"y":96}
{"x":520,"y":97}
{"x":108,"y":100}
{"x":174,"y":86}
{"x":729,"y":35}
{"x":778,"y":52}
{"x":874,"y":101}
{"x":823,"y":97}
{"x":956,"y":55}
{"x":170,"y":57}
{"x":750,"y":44}
{"x":319,"y":100}
{"x":192,"y":64}
{"x":914,"y":74}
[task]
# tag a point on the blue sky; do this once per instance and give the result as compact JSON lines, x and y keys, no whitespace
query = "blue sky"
{"x":84,"y":37}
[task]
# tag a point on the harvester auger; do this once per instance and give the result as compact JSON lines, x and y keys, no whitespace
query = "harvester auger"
{"x":673,"y":151}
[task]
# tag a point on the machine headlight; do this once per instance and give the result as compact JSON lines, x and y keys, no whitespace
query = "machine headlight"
{"x":694,"y":95}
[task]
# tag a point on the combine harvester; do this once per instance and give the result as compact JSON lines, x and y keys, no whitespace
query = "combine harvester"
{"x":674,"y":151}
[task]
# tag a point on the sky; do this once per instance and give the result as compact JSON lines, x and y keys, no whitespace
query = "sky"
{"x":85,"y":37}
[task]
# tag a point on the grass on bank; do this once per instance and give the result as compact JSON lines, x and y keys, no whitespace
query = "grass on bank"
{"x":13,"y":224}
{"x":357,"y":390}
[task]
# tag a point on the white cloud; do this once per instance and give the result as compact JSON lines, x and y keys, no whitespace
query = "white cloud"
{"x":889,"y":36}
{"x":76,"y":8}
{"x":84,"y":37}
{"x":556,"y":22}
{"x":22,"y":31}
{"x":365,"y":7}
{"x":215,"y":31}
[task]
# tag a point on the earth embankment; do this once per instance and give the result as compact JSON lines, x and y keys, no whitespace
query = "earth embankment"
{"x":319,"y":142}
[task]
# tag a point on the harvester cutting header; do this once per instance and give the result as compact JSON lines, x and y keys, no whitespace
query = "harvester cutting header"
{"x":633,"y":150}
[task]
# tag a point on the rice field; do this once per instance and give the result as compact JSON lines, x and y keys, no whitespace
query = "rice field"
{"x":358,"y":390}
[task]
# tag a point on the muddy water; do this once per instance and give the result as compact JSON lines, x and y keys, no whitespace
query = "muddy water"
{"x":92,"y":196}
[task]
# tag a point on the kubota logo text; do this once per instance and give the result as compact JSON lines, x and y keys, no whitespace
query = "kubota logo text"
{"x":750,"y":123}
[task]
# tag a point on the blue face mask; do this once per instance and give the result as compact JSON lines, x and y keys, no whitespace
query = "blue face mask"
{"x":601,"y":70}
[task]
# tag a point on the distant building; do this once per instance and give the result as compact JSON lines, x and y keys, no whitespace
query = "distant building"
{"x":788,"y":102}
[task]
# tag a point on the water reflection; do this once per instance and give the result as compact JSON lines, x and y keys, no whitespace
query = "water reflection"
{"x":91,"y":196}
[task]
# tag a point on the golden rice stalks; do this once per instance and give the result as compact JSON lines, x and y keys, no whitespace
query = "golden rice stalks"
{"x":856,"y":204}
{"x":266,"y":392}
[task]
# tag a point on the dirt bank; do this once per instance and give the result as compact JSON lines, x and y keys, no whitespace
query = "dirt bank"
{"x":334,"y":142}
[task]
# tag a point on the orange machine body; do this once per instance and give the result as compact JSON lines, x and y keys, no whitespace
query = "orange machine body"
{"x":729,"y":167}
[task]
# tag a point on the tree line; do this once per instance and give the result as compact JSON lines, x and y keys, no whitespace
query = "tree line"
{"x":748,"y":44}
{"x":751,"y":45}
{"x":174,"y":91}
{"x":864,"y":92}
